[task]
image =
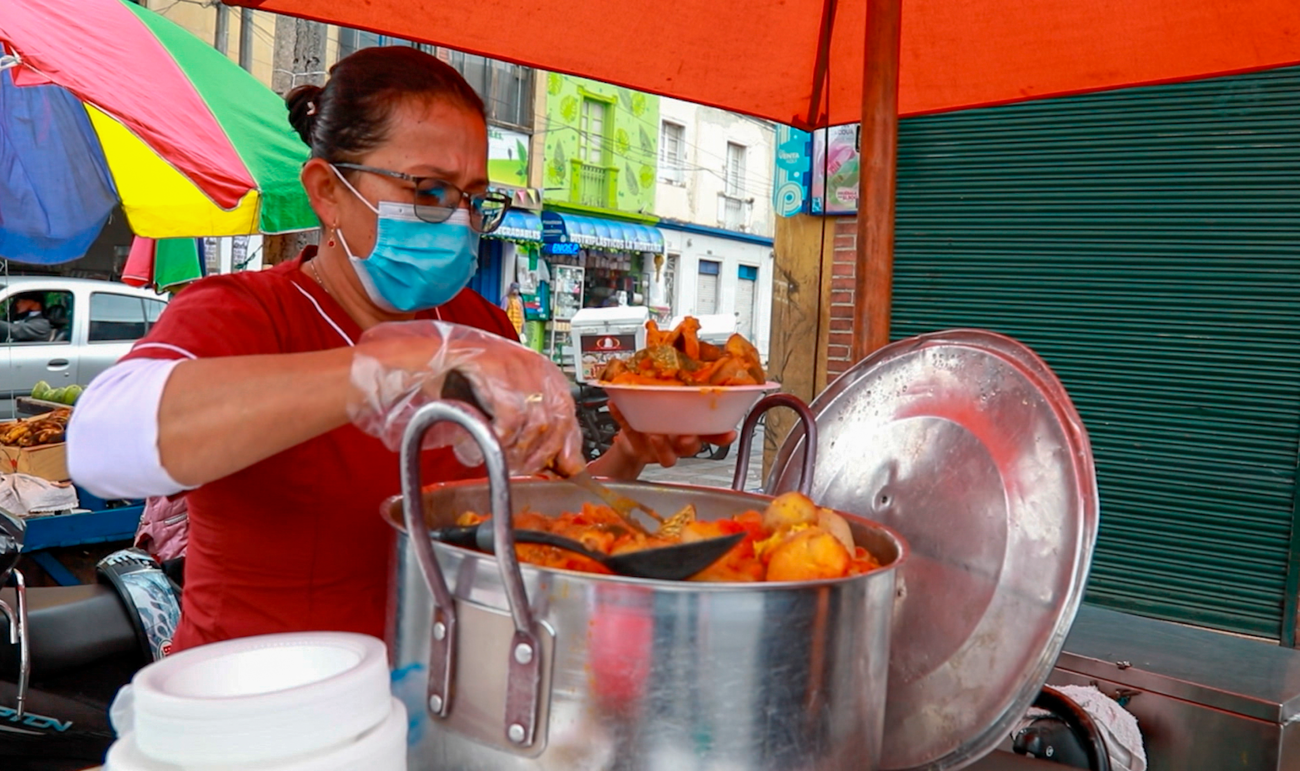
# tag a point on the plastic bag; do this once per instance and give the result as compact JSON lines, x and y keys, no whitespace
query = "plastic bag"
{"x":164,"y":530}
{"x":398,"y":368}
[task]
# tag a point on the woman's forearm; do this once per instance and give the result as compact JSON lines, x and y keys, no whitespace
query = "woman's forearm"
{"x":219,"y":416}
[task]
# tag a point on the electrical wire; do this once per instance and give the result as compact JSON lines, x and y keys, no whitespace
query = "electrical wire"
{"x":755,"y":187}
{"x":752,"y":185}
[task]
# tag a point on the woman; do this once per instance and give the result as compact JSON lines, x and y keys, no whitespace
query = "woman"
{"x":240,"y":393}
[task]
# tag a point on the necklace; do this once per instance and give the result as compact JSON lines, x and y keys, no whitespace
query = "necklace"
{"x":315,"y":271}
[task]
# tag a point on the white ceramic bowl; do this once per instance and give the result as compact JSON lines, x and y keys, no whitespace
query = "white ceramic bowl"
{"x":685,"y":410}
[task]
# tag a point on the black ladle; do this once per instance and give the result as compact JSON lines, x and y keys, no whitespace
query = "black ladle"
{"x":666,"y":563}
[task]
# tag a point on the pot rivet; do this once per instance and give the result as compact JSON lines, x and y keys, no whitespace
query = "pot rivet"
{"x":516,"y":733}
{"x":439,"y":631}
{"x":435,"y":703}
{"x":524,"y":654}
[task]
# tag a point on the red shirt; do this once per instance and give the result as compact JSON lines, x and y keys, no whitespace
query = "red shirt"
{"x":295,"y":542}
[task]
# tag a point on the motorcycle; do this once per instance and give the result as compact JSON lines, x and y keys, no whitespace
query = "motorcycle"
{"x":65,"y":651}
{"x":594,"y":418}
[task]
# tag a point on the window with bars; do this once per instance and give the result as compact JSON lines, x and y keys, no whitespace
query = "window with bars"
{"x":506,"y":89}
{"x":735,"y":170}
{"x":672,"y":153}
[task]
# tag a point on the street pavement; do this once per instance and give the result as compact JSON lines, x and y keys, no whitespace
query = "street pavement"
{"x":711,"y":473}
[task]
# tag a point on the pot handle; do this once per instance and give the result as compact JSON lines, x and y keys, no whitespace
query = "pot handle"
{"x":747,"y":439}
{"x":525,"y":669}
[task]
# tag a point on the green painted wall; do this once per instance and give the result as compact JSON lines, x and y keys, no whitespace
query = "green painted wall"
{"x":632,"y":140}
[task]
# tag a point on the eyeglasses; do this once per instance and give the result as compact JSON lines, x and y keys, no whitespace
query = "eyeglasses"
{"x":436,"y":200}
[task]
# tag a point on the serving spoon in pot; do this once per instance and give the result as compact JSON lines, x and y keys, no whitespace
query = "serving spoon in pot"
{"x":666,"y":563}
{"x":457,"y":386}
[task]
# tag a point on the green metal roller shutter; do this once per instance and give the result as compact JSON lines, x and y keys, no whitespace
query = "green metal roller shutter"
{"x":1146,"y":243}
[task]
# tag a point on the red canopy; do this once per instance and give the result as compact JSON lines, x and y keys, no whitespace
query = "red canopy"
{"x":760,"y":56}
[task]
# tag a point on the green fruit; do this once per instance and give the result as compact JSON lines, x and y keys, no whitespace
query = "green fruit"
{"x":73,"y":394}
{"x":41,"y":391}
{"x":55,"y":395}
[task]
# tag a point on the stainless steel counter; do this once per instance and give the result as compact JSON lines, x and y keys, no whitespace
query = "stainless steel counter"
{"x":1204,"y":701}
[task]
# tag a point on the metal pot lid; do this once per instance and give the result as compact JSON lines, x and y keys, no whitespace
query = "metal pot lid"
{"x":967,"y":444}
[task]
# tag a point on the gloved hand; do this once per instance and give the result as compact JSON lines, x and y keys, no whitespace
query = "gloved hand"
{"x":399,"y":367}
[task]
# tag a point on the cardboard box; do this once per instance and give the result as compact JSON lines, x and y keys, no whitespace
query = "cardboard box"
{"x":47,"y":461}
{"x":29,"y":407}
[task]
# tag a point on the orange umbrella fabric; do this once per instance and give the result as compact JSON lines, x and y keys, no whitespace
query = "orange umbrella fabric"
{"x":760,"y":57}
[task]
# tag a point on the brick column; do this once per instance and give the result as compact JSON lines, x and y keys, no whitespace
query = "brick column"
{"x":813,"y":307}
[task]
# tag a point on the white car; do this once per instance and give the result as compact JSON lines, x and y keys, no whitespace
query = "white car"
{"x":94,"y":323}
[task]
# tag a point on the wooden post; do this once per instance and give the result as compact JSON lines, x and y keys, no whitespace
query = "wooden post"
{"x":799,"y":300}
{"x":874,"y":272}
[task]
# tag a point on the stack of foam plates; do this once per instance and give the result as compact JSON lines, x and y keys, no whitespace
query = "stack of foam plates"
{"x":317,"y":701}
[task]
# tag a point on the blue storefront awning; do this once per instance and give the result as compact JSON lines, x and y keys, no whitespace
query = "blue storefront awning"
{"x":611,"y":234}
{"x":519,"y":225}
{"x":591,"y":232}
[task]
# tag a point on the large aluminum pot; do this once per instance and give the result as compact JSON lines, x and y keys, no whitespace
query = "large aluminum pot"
{"x":508,"y":666}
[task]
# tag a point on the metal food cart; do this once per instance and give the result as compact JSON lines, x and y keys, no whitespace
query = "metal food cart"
{"x":973,"y":454}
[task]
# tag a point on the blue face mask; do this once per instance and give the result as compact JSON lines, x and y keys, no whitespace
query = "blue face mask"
{"x":415,"y":265}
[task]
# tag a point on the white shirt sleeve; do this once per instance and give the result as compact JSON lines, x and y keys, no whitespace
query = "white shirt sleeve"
{"x":113,"y":436}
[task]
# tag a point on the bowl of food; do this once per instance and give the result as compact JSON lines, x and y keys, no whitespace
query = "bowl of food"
{"x":679,"y":384}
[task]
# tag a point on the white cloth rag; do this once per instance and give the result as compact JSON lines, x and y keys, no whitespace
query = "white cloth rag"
{"x":28,"y":496}
{"x":1118,"y":726}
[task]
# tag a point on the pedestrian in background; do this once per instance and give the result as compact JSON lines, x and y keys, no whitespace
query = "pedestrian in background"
{"x":513,"y":305}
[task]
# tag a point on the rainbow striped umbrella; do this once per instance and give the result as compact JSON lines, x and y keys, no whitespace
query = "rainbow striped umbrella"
{"x":103,"y":102}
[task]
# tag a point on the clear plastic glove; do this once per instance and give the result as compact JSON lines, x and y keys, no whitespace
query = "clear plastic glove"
{"x":400,"y":367}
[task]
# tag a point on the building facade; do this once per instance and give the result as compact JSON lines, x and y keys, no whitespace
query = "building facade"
{"x":713,"y":197}
{"x":667,"y":204}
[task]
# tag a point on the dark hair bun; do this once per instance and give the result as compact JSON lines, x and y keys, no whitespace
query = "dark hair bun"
{"x":303,"y":104}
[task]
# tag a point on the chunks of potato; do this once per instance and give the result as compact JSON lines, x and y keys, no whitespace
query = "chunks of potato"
{"x":837,"y":526}
{"x":809,"y":556}
{"x":789,"y":510}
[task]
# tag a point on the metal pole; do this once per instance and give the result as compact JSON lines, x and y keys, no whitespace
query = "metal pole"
{"x":221,"y":39}
{"x":245,"y":38}
{"x":874,"y":273}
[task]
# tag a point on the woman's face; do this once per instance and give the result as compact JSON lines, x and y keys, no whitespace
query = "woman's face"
{"x":426,"y":138}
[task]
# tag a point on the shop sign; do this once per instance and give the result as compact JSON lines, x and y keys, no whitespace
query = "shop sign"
{"x":553,"y":229}
{"x":597,"y":350}
{"x":507,"y":157}
{"x":817,"y":173}
{"x":568,"y":248}
{"x":793,"y":171}
{"x":608,"y":343}
{"x":835,"y":170}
